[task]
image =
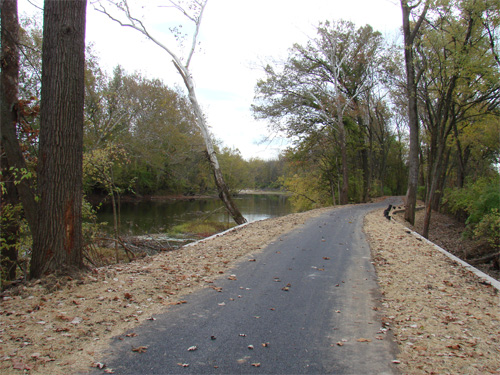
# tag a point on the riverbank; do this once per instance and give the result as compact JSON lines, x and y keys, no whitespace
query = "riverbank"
{"x":444,"y":319}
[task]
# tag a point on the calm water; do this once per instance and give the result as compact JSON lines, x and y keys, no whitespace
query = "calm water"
{"x":158,"y":216}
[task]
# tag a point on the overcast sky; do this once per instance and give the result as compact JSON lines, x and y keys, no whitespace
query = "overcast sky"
{"x":237,"y":37}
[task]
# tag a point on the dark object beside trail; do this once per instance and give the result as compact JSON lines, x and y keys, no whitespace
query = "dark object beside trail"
{"x":387,"y":211}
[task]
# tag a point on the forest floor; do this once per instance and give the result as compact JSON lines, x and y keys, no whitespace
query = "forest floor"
{"x":443,"y":318}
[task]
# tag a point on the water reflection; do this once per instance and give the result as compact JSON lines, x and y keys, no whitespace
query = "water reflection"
{"x":158,"y":216}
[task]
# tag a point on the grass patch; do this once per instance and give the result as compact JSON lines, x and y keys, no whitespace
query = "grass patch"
{"x":200,"y":229}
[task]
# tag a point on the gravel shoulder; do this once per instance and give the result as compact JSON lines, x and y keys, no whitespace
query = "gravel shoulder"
{"x":443,"y":319}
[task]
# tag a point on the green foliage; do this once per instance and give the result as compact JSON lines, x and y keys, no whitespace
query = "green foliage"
{"x":489,"y":228}
{"x":99,"y":167}
{"x":307,"y":192}
{"x":17,"y":175}
{"x":235,"y":169}
{"x":20,"y":241}
{"x":480,"y":200}
{"x":90,"y":226}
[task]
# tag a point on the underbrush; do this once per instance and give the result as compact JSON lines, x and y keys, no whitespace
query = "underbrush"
{"x":479,"y":202}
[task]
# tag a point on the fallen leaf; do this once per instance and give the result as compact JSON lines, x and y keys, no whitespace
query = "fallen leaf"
{"x":127,"y":295}
{"x":98,"y":365}
{"x":363,"y":340}
{"x":454,"y":346}
{"x":183,"y":364}
{"x":140,"y":349}
{"x":132,"y":334}
{"x":192,"y":348}
{"x":21,"y":366}
{"x":265,"y":344}
{"x":63,"y":317}
{"x":109,"y":371}
{"x":250,"y":347}
{"x":257,"y":364}
{"x":232,"y":277}
{"x":340,"y":343}
{"x":252,"y":260}
{"x":243,"y":335}
{"x":326,"y":258}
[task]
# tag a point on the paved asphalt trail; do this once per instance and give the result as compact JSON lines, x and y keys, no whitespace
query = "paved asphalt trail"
{"x":308,"y":291}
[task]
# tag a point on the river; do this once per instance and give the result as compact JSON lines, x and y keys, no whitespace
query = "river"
{"x":157,"y":216}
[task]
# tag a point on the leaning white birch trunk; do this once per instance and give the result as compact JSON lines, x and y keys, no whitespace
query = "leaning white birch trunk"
{"x":183,"y":70}
{"x":222,"y":189}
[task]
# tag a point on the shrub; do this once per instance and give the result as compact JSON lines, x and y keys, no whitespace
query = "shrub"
{"x":480,"y":201}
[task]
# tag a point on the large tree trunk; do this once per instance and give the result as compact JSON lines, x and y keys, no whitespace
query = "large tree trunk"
{"x":411,"y":193}
{"x":366,"y":175}
{"x":9,"y":229}
{"x":411,"y":90}
{"x":58,"y":242}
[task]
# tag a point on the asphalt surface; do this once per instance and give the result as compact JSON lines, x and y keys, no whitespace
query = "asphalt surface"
{"x":307,"y":305}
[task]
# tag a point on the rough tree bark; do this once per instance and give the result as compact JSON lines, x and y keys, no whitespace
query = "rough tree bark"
{"x":185,"y":73}
{"x":58,"y":242}
{"x":9,"y":231}
{"x":411,"y":91}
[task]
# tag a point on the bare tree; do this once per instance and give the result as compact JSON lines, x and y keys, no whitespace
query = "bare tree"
{"x":194,"y":13}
